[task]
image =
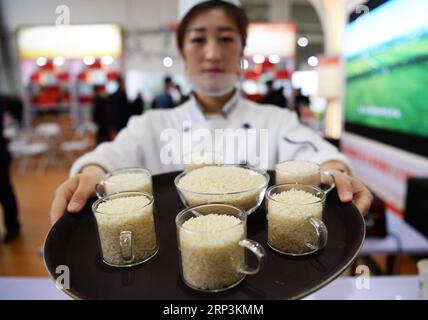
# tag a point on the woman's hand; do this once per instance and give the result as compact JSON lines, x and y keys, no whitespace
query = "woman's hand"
{"x":351,"y":189}
{"x":73,"y":193}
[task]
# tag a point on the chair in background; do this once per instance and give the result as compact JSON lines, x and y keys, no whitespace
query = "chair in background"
{"x":26,"y":153}
{"x":83,"y":141}
{"x":49,"y":133}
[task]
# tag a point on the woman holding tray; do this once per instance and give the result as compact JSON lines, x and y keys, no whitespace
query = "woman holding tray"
{"x":211,"y":39}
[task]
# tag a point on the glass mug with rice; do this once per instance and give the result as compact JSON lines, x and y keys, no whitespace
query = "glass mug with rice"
{"x":212,"y":244}
{"x":302,"y":172}
{"x":126,"y":179}
{"x":126,"y":228}
{"x":294,"y":219}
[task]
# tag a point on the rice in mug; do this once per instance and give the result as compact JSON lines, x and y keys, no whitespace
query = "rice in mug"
{"x":211,"y":255}
{"x":126,"y":214}
{"x":302,"y":172}
{"x":288,"y":227}
{"x":132,"y":181}
{"x":225,"y":184}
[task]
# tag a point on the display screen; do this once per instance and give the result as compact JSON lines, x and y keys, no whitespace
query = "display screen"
{"x":387,"y":74}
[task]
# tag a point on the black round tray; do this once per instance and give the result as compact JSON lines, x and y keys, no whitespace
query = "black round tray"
{"x":73,"y":242}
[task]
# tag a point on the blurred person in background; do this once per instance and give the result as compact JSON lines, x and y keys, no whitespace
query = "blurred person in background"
{"x":175,"y":94}
{"x":99,"y":114}
{"x":301,"y":101}
{"x":183,"y":97}
{"x":118,"y":112}
{"x":7,"y":194}
{"x":274,"y":96}
{"x":15,"y":107}
{"x":137,"y":107}
{"x":211,"y":38}
{"x":166,"y":99}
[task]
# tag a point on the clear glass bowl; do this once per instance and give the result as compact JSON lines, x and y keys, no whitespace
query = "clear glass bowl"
{"x":249,"y":200}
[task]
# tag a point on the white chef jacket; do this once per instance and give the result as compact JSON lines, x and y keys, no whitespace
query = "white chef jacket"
{"x":273,"y":135}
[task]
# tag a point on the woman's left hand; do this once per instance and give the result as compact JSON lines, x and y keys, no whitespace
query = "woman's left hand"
{"x":351,"y":189}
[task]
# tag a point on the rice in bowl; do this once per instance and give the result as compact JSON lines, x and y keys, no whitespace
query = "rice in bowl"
{"x":239,"y":186}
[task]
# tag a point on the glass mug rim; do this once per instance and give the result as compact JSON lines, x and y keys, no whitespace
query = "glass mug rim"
{"x":284,"y":171}
{"x":104,"y":181}
{"x":124,"y":170}
{"x":260,"y":171}
{"x":299,"y":186}
{"x":122,"y":194}
{"x":241,"y":215}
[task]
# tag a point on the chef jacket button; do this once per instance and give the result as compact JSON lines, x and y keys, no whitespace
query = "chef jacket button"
{"x":247,"y":126}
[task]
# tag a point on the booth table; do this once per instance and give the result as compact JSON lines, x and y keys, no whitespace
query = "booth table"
{"x":402,"y":239}
{"x":381,"y":288}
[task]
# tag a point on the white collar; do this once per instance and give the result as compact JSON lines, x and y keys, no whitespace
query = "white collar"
{"x":227,"y":108}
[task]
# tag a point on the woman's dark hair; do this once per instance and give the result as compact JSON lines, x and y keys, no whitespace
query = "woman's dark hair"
{"x":236,"y":13}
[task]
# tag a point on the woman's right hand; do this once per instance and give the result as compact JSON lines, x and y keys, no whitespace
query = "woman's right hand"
{"x":72,"y":194}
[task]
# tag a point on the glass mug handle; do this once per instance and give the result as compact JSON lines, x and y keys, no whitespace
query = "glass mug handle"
{"x":125,"y":242}
{"x":258,"y":251}
{"x":100,"y":190}
{"x":322,"y":234}
{"x":333,"y":185}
